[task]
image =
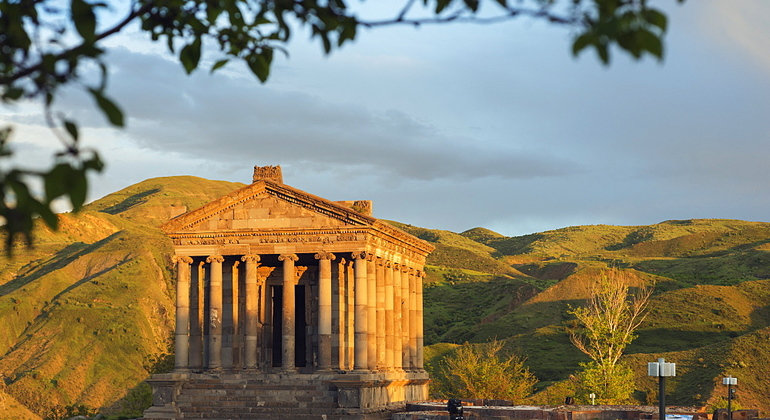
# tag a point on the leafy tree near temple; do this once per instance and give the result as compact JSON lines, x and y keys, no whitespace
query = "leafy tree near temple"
{"x":46,"y":45}
{"x":615,"y":309}
{"x":483,"y":371}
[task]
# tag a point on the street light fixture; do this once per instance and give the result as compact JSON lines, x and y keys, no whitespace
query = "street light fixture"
{"x":661,"y":369}
{"x":730,"y":381}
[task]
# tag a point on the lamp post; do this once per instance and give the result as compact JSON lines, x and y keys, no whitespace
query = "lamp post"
{"x":730,"y":381}
{"x":661,"y":369}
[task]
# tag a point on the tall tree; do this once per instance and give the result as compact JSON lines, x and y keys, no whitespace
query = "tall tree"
{"x":613,"y":312}
{"x":46,"y":45}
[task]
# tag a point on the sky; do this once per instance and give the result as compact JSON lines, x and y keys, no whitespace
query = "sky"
{"x":459,"y":126}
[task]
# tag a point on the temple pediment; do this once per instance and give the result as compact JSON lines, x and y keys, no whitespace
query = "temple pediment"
{"x":266,"y":205}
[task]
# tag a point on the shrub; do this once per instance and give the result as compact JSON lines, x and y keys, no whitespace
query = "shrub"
{"x":484,"y":371}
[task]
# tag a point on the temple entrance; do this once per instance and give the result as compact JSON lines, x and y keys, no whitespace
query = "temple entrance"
{"x":300,"y":353}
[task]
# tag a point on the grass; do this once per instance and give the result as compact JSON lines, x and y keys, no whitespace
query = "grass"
{"x":87,"y":309}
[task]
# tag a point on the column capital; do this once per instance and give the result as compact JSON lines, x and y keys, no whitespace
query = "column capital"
{"x":215,"y":258}
{"x":323,"y":255}
{"x":388,"y":263}
{"x":250,"y":258}
{"x":396,"y":266}
{"x":359,"y":255}
{"x":406,"y":269}
{"x":288,"y":257}
{"x":182,"y":258}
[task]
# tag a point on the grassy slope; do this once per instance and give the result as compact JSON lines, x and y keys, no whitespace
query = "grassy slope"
{"x":710,"y":293}
{"x":88,"y":309}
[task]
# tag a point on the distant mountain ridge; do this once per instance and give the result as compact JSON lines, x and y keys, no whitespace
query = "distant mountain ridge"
{"x":88,"y":312}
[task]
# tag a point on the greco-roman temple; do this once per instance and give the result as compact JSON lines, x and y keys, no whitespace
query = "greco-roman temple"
{"x":290,"y":305}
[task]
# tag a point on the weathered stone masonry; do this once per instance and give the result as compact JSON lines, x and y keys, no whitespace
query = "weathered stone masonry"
{"x":290,"y":303}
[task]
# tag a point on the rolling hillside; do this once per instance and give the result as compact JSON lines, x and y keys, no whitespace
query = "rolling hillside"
{"x":712,"y":301}
{"x":87,"y":313}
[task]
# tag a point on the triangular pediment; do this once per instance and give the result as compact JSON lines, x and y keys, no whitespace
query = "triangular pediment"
{"x":266,"y":205}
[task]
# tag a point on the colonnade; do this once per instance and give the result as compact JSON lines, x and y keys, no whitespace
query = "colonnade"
{"x":357,"y":311}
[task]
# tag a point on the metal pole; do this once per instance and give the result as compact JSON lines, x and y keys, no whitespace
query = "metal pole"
{"x":729,"y":401}
{"x":662,"y":396}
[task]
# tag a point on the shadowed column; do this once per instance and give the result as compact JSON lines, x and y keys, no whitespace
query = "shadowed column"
{"x":182,"y":338}
{"x":420,"y":332}
{"x":371,"y":311}
{"x":405,"y":318}
{"x":215,"y":311}
{"x":324,"y":310}
{"x":361,"y":323}
{"x":380,"y":311}
{"x":389,"y":330}
{"x":413,"y":319}
{"x":252,"y":311}
{"x":398,"y":335}
{"x":288,"y":317}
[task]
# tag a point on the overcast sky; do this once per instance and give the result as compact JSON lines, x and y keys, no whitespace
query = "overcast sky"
{"x":458,"y":126}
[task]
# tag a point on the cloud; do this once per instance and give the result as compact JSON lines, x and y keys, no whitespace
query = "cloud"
{"x":232,"y":119}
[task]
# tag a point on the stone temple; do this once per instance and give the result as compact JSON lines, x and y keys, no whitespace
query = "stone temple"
{"x":292,"y":306}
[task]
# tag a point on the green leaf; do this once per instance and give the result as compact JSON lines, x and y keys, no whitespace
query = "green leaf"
{"x":72,"y":129}
{"x":12,"y":94}
{"x":582,"y":42}
{"x":219,"y":64}
{"x":49,"y":217}
{"x":78,"y":187}
{"x":109,"y":109}
{"x":95,"y":163}
{"x":656,"y":18}
{"x":604,"y":53}
{"x":259,"y":63}
{"x":441,"y":5}
{"x":191,"y":55}
{"x":55,"y":181}
{"x":84,"y":19}
{"x":650,"y":42}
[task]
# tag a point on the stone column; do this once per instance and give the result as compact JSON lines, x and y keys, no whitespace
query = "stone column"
{"x":389,"y":332}
{"x":339,"y":291}
{"x":398,"y":340}
{"x":362,"y":312}
{"x":413,"y":314}
{"x":420,"y":332}
{"x":288,"y":317}
{"x":215,"y":311}
{"x":371,"y":293}
{"x":381,"y":333}
{"x":251,"y":329}
{"x":350,"y":338}
{"x":197,"y":291}
{"x":405,"y":315}
{"x":181,"y":338}
{"x":324,"y":310}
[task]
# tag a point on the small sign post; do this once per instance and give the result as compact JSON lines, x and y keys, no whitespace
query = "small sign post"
{"x":661,"y":369}
{"x":730,"y":381}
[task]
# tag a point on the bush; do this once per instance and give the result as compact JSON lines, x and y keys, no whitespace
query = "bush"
{"x":612,"y":384}
{"x":483,"y":371}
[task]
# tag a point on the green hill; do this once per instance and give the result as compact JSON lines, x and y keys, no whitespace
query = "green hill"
{"x":88,"y":312}
{"x":711,"y":293}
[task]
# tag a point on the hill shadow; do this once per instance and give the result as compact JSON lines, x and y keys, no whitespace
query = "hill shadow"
{"x":658,"y":340}
{"x":59,"y":260}
{"x":130,"y":202}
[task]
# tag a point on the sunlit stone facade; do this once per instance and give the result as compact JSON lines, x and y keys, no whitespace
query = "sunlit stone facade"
{"x":290,"y":303}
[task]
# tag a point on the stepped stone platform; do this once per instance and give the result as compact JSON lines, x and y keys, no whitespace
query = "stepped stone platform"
{"x":327,"y":396}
